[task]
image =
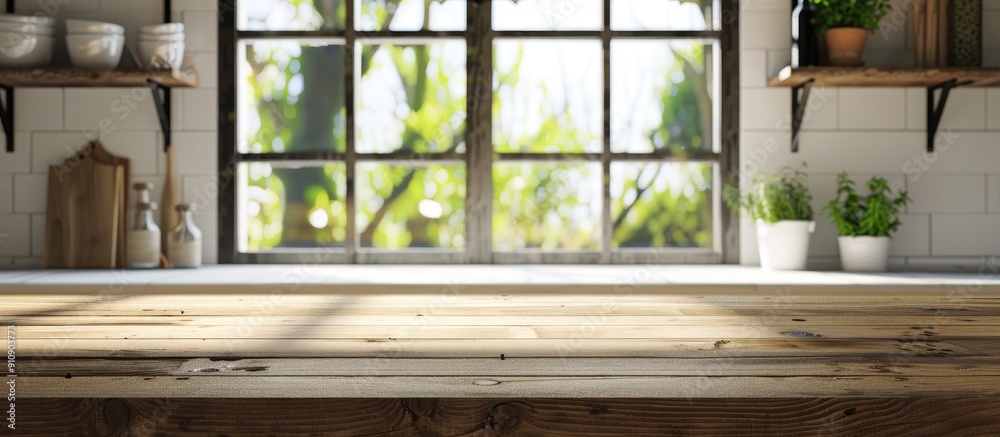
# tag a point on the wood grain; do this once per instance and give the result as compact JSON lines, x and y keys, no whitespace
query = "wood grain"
{"x":142,"y":340}
{"x":920,"y":32}
{"x":512,"y":417}
{"x":79,"y":77}
{"x":496,"y":387}
{"x":171,"y":196}
{"x":903,"y":366}
{"x":82,"y":218}
{"x":124,"y":167}
{"x":884,"y":77}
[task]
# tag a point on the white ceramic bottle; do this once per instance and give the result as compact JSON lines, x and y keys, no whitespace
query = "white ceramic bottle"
{"x":184,"y":242}
{"x":143,"y":243}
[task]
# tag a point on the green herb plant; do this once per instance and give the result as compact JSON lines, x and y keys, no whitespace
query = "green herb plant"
{"x":874,"y":216}
{"x":850,"y":13}
{"x":774,"y":197}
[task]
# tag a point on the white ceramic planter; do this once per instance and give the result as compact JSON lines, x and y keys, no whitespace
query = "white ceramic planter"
{"x":784,"y":245}
{"x":864,"y":254}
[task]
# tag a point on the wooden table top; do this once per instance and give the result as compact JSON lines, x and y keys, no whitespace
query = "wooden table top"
{"x":724,"y":332}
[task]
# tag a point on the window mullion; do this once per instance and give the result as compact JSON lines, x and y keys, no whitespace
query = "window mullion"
{"x":606,"y":228}
{"x":351,"y":240}
{"x":729,"y":164}
{"x":479,"y":134}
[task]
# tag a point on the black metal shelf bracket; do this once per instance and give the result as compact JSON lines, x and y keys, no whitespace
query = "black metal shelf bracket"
{"x":935,"y":108}
{"x":7,"y":116}
{"x":800,"y":100}
{"x":162,"y":103}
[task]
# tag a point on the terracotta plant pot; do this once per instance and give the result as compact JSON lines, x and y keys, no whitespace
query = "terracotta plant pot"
{"x":845,"y":45}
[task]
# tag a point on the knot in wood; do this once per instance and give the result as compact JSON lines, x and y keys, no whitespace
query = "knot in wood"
{"x":503,"y":417}
{"x":420,"y":407}
{"x":116,"y":414}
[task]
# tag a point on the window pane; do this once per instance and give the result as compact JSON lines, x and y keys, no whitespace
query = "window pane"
{"x":284,"y":206}
{"x":661,"y":96}
{"x":411,"y":97}
{"x":403,"y":206}
{"x":547,"y":96}
{"x":662,"y":14}
{"x":410,"y":15}
{"x":291,"y":14}
{"x":548,"y":206}
{"x":291,"y":97}
{"x":661,"y":205}
{"x":548,"y":14}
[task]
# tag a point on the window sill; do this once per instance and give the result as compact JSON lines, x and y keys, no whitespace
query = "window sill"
{"x":508,"y":279}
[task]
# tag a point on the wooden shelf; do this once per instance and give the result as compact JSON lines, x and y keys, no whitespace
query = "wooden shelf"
{"x":156,"y":80}
{"x":884,"y":77}
{"x":938,"y":81}
{"x":78,"y":77}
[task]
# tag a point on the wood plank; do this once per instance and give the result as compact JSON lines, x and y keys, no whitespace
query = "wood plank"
{"x":293,"y":304}
{"x":535,"y":417}
{"x":206,"y":386}
{"x":493,"y":348}
{"x":585,"y":329}
{"x":449,"y":319}
{"x":780,"y":298}
{"x":80,"y":77}
{"x":885,"y":77}
{"x":939,"y":340}
{"x":900,"y":366}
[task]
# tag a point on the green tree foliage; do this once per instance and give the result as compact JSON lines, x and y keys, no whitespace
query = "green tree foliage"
{"x":298,"y":104}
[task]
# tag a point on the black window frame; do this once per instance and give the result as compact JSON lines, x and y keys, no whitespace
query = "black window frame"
{"x":480,"y":156}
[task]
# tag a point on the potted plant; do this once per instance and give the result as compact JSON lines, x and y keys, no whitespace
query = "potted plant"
{"x":866,"y":224}
{"x":846,"y":24}
{"x":780,"y":205}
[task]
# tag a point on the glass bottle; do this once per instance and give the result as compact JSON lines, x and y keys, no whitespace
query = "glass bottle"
{"x":143,"y":189}
{"x":143,"y":243}
{"x":184,"y":242}
{"x":805,"y":39}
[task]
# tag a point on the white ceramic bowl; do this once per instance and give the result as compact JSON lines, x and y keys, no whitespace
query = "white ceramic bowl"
{"x":74,"y":27}
{"x":173,"y":37}
{"x":35,"y":29}
{"x":28,"y":19}
{"x":162,"y":54}
{"x":162,"y":29}
{"x":26,"y":50}
{"x":95,"y":51}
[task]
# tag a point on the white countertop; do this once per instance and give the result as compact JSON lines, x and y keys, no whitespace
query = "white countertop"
{"x":583,"y":278}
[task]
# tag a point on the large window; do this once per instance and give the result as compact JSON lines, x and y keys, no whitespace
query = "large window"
{"x":446,"y":131}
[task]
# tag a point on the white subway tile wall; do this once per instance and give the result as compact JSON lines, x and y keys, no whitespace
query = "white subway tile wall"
{"x":872,"y":108}
{"x":948,"y":193}
{"x":15,"y":235}
{"x":29,"y":192}
{"x":955,"y":215}
{"x":6,"y":193}
{"x":52,"y":122}
{"x":993,"y":194}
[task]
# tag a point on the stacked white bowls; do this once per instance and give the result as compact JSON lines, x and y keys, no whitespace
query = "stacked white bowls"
{"x":162,"y":45}
{"x":93,"y":44}
{"x":26,"y":41}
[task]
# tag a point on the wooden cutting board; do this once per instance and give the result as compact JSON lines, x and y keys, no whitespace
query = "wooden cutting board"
{"x":101,"y":155}
{"x":84,"y":222}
